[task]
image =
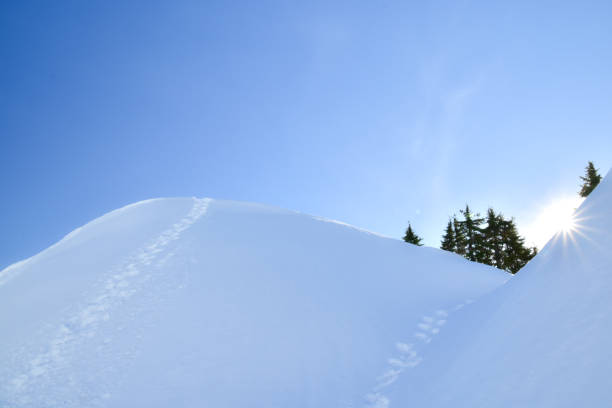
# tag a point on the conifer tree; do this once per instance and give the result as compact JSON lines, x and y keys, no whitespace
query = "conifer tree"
{"x":460,"y":238}
{"x":590,"y":180}
{"x":473,"y":234}
{"x":498,"y":244}
{"x":493,"y":239}
{"x":516,"y":254}
{"x":411,"y":237}
{"x":448,"y":240}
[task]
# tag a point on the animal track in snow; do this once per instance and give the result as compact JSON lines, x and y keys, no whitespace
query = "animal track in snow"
{"x":40,"y":371}
{"x":407,"y":354}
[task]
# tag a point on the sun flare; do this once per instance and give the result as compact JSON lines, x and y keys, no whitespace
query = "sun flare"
{"x":565,"y":220}
{"x":557,"y":216}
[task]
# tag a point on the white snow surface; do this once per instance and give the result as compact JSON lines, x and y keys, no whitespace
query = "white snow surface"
{"x":544,"y":339}
{"x":207,"y":303}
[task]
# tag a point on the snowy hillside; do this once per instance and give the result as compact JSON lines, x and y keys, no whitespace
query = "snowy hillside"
{"x":204,"y":303}
{"x":542,"y":340}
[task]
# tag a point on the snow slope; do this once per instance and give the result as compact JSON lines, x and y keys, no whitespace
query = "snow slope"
{"x":542,"y":340}
{"x":205,"y":303}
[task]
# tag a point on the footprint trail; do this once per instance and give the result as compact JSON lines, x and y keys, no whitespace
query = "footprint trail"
{"x":38,"y":372}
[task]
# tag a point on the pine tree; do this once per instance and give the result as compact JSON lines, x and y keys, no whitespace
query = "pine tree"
{"x":448,"y":240}
{"x":590,"y":180}
{"x":473,"y":233}
{"x":460,"y":238}
{"x":493,"y":239}
{"x":498,"y":244}
{"x":516,"y":254}
{"x":411,"y":237}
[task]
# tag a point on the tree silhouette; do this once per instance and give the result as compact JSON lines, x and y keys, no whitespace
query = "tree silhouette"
{"x":411,"y":237}
{"x":590,"y":180}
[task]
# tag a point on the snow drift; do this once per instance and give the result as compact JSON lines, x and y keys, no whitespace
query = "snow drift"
{"x":205,"y":303}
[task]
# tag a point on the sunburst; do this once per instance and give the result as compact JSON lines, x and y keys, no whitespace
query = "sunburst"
{"x":558,"y":216}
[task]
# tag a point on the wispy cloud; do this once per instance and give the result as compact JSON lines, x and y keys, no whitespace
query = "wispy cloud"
{"x":437,"y":128}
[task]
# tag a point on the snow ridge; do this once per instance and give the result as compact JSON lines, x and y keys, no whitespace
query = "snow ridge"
{"x":42,"y":371}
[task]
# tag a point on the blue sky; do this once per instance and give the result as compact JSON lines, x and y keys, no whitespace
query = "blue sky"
{"x":372,"y":113}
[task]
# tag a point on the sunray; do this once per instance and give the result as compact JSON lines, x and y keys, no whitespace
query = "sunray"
{"x":579,"y":228}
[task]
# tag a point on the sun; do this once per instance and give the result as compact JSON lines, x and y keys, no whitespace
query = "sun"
{"x":564,"y":218}
{"x":556,"y":216}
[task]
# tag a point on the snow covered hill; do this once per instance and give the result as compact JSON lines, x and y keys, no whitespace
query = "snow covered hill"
{"x":542,"y":340}
{"x":205,"y":303}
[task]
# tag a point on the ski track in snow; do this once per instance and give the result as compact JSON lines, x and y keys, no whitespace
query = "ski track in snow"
{"x":40,"y":372}
{"x":407,"y":356}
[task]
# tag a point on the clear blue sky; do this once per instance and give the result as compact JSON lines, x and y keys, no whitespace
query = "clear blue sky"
{"x":373,"y":113}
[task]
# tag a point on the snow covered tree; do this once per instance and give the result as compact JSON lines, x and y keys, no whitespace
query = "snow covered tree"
{"x":590,"y":180}
{"x":411,"y":237}
{"x":448,"y":240}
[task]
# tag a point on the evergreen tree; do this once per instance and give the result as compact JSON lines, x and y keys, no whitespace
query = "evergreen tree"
{"x":493,"y":239}
{"x":460,"y":238}
{"x":473,"y":233}
{"x":448,"y":240}
{"x":516,"y":254}
{"x":411,"y":237}
{"x":590,"y":180}
{"x":498,"y":244}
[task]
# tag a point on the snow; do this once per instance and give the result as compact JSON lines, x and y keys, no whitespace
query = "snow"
{"x":541,"y":340}
{"x":199,"y":302}
{"x":208,"y":303}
